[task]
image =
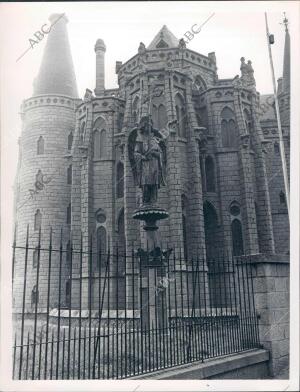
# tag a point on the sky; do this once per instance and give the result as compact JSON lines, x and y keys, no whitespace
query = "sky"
{"x":236,"y":29}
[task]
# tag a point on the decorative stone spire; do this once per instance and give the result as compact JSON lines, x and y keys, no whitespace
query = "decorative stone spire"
{"x":164,"y":39}
{"x":286,"y":60}
{"x":56,"y":74}
{"x":100,"y":50}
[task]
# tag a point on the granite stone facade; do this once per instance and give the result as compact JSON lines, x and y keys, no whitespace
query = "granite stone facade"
{"x":224,"y":193}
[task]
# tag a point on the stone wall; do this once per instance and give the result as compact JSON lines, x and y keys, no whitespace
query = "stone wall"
{"x":271,"y":290}
{"x":248,"y":365}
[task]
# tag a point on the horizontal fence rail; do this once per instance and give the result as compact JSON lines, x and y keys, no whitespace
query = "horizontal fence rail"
{"x":81,"y":313}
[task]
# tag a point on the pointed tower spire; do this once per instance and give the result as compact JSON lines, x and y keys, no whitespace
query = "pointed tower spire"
{"x":164,"y":39}
{"x":286,"y":60}
{"x":56,"y":74}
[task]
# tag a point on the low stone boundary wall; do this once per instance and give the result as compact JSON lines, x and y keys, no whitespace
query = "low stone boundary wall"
{"x":252,"y":364}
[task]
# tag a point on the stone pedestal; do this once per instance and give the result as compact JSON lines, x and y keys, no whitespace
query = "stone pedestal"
{"x":271,"y":294}
{"x":151,"y":258}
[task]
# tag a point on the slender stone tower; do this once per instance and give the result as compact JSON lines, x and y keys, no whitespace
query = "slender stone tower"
{"x":44,"y":175}
{"x":100,"y":50}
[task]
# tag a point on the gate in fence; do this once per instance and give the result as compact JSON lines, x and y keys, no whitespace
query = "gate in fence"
{"x":83,"y":314}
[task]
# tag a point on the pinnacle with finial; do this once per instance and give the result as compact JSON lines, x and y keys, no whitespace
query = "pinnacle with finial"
{"x":285,"y":22}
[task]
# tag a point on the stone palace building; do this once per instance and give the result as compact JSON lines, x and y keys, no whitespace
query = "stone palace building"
{"x":225,"y":190}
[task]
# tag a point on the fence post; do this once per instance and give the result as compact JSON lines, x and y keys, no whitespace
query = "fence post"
{"x":271,"y":293}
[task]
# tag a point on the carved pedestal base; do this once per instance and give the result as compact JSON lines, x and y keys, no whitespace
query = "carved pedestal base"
{"x":153,"y":260}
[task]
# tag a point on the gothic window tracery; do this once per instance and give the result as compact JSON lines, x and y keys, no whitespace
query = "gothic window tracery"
{"x":228,"y":128}
{"x":100,"y":139}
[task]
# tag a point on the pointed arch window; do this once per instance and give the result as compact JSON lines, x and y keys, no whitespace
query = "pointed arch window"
{"x":99,"y":139}
{"x":282,"y":198}
{"x":120,"y":180}
{"x":40,"y":145}
{"x":96,"y":144}
{"x":103,"y":142}
{"x":210,"y":174}
{"x":69,"y":213}
{"x":70,"y":141}
{"x":228,"y":128}
{"x":101,"y":245}
{"x":237,"y":238}
{"x":69,"y":174}
{"x":135,"y":110}
{"x":181,"y":115}
{"x":37,"y":220}
{"x":184,"y":225}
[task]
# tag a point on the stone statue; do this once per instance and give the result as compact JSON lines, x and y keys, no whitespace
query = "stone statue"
{"x":247,"y":73}
{"x":142,"y":48}
{"x":182,"y":44}
{"x":147,"y":155}
{"x":243,"y":68}
{"x":250,"y":70}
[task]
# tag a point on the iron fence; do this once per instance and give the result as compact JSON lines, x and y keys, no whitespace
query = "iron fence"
{"x":80,"y":313}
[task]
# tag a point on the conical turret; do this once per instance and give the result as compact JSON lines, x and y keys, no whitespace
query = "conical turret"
{"x":56,"y":74}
